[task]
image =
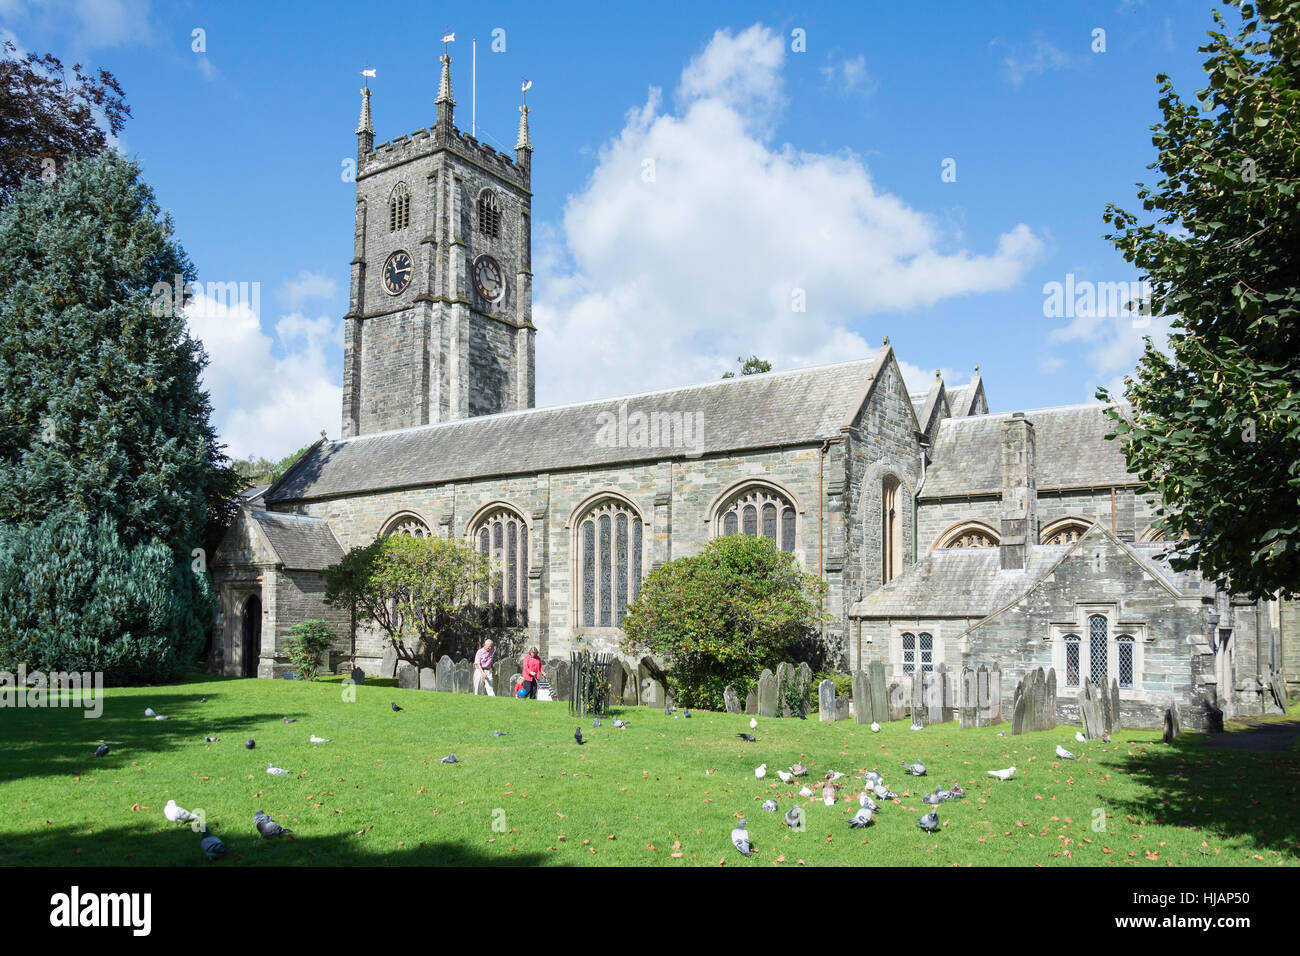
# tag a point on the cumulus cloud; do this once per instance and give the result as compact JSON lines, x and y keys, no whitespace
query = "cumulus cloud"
{"x":95,"y":24}
{"x":1041,"y":56}
{"x":848,"y":76}
{"x":1107,"y":345}
{"x":696,"y":239}
{"x":307,"y":287}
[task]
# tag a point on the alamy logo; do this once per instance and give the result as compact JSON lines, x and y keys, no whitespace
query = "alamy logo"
{"x":74,"y":909}
{"x":200,"y":302}
{"x":58,"y":689}
{"x":1112,"y":300}
{"x":638,"y":429}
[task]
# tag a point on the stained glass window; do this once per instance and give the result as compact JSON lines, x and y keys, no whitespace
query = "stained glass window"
{"x":589,"y":574}
{"x":502,"y":536}
{"x":610,"y":563}
{"x":605,"y":610}
{"x":787,"y":529}
{"x":758,"y":510}
{"x":729,"y":523}
{"x":749,"y":519}
{"x":620,"y":563}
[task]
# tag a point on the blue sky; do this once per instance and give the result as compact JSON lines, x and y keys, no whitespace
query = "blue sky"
{"x":777,"y":171}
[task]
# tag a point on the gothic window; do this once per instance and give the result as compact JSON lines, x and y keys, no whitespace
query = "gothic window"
{"x":610,"y":541}
{"x":399,"y":208}
{"x":927,"y":652}
{"x":1066,"y":532}
{"x":970,"y":535}
{"x":1072,"y":660}
{"x":406,"y":524}
{"x":760,"y":511}
{"x":489,"y":214}
{"x":502,"y":536}
{"x":1090,"y":650}
{"x":891,"y":538}
{"x":909,"y":653}
{"x":1097,"y":650}
{"x":1124,"y":644}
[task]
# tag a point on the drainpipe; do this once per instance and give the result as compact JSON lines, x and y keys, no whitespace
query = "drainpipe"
{"x":821,"y":575}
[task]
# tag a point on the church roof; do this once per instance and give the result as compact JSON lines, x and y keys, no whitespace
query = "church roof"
{"x":1070,"y":451}
{"x":771,"y":409}
{"x":300,"y":542}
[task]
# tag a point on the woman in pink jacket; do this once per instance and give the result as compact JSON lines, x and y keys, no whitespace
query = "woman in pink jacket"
{"x":532,"y":670}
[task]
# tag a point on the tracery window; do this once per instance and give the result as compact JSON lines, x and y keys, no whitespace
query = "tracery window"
{"x":1090,"y":650}
{"x":399,"y":208}
{"x":760,"y":511}
{"x":1067,"y":533}
{"x":406,"y":524}
{"x":971,"y":535}
{"x":489,"y":214}
{"x":502,"y":536}
{"x":610,"y":545}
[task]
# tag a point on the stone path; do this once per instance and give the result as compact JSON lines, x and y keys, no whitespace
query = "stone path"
{"x":1264,"y":737}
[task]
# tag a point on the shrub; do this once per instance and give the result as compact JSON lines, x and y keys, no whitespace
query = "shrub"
{"x":306,"y":642}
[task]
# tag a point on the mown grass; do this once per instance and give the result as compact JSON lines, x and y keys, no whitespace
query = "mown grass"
{"x":643,"y":796}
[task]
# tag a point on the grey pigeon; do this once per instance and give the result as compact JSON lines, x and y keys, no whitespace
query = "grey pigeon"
{"x":793,"y":817}
{"x":101,"y":750}
{"x":668,"y":709}
{"x":577,"y":735}
{"x":917,"y":725}
{"x":871,"y":777}
{"x":274,"y":770}
{"x":596,"y":722}
{"x":1105,"y":737}
{"x":250,"y":743}
{"x":291,"y":720}
{"x":864,"y":800}
{"x":1002,"y":733}
{"x":687,"y":713}
{"x":915,"y":769}
{"x":769,"y":806}
{"x":450,"y":758}
{"x":203,"y":700}
{"x":884,"y":793}
{"x":750,"y":737}
{"x":395,"y":707}
{"x":932,"y":798}
{"x":956,"y":792}
{"x":740,"y":838}
{"x":211,"y":740}
{"x":1064,"y":754}
{"x":498,"y":733}
{"x":619,"y":724}
{"x":268,"y":827}
{"x":929,"y":822}
{"x":211,"y":846}
{"x":861,"y":818}
{"x":798,"y":770}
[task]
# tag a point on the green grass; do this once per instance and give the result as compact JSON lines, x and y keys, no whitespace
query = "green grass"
{"x":379,"y":795}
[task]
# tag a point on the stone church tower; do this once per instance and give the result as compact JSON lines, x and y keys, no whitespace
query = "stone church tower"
{"x":440,"y":320}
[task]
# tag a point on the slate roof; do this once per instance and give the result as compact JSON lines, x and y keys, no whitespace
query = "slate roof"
{"x":301,"y":543}
{"x":1070,"y":450}
{"x":750,"y":411}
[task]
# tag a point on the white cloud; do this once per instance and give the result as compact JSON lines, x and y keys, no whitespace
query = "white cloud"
{"x":1042,"y":56}
{"x":849,"y":76}
{"x":919,"y":379}
{"x":307,"y":287}
{"x":269,"y":396}
{"x":1110,"y":346}
{"x":94,"y":24}
{"x":693,"y":239}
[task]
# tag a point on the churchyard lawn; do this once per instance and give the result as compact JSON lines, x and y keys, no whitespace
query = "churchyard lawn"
{"x":663,"y":792}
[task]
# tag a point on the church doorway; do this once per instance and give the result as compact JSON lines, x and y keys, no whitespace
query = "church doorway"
{"x":251,"y":621}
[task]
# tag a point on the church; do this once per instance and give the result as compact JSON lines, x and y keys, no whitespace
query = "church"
{"x":946,"y":534}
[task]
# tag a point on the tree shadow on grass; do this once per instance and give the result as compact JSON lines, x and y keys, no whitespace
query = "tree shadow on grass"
{"x":1238,"y":795}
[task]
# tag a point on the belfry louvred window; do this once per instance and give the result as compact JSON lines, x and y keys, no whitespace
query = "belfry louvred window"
{"x":489,"y":214}
{"x":399,"y":208}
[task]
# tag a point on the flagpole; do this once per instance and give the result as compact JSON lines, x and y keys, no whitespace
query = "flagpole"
{"x":473,"y":89}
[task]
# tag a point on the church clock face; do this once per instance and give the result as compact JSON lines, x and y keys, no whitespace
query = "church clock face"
{"x":398,"y":269}
{"x":488,"y":278}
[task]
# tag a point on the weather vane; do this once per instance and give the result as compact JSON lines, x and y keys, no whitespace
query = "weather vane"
{"x":368,"y":73}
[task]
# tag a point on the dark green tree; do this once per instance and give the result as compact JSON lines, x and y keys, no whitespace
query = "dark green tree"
{"x":749,"y":366}
{"x":721,"y":616}
{"x":1215,"y":423}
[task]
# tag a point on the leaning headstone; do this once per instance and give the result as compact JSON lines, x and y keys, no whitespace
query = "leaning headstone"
{"x":879,"y":692}
{"x":948,"y":688}
{"x":1115,"y":722}
{"x":767,"y":702}
{"x":784,"y":681}
{"x":862,"y":712}
{"x":916,"y":697}
{"x":995,"y":695}
{"x":1018,"y":710}
{"x":631,"y":690}
{"x":826,"y":700}
{"x":968,"y":706}
{"x":388,"y":667}
{"x":445,"y":667}
{"x":358,"y":675}
{"x":408,"y":676}
{"x":560,"y":672}
{"x":803,"y":674}
{"x":897,"y":702}
{"x":983,"y":697}
{"x":751,"y":701}
{"x":1172,"y":726}
{"x":932,"y":691}
{"x":428,"y":680}
{"x":1047,"y":711}
{"x":730,"y":700}
{"x":1090,"y":711}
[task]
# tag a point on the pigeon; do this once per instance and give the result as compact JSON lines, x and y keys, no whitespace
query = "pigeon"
{"x":687,"y":713}
{"x":450,"y":758}
{"x":395,"y":707}
{"x":175,"y":814}
{"x":760,"y":771}
{"x":211,"y":846}
{"x":203,"y":700}
{"x":1078,"y":735}
{"x":577,"y":736}
{"x":161,"y":717}
{"x":1002,"y":733}
{"x":291,"y":720}
{"x":828,"y":795}
{"x":834,"y":775}
{"x":1105,"y":737}
{"x":211,"y":740}
{"x":793,"y":817}
{"x":805,"y":792}
{"x":596,"y":722}
{"x":674,"y":716}
{"x":619,"y":724}
{"x":101,"y":750}
{"x":798,"y":770}
{"x":861,"y":818}
{"x":148,"y":712}
{"x":268,"y":827}
{"x":915,"y":769}
{"x":884,"y":793}
{"x":875,"y":727}
{"x":785,"y":777}
{"x":864,"y":800}
{"x":250,"y":743}
{"x":917,"y":725}
{"x":740,"y":839}
{"x":929,"y":822}
{"x":1003,"y":774}
{"x":668,"y":709}
{"x":320,"y":740}
{"x":502,"y":733}
{"x":871,"y":777}
{"x":750,"y":737}
{"x":769,"y":806}
{"x":1064,"y":754}
{"x":273,"y":769}
{"x":956,"y":792}
{"x":932,"y":798}
{"x":753,"y":723}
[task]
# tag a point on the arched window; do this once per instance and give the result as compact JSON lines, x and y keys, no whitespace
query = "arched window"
{"x":1065,"y":531}
{"x":405,"y":523}
{"x":761,"y":511}
{"x":610,"y":541}
{"x":1124,"y":646}
{"x":1072,"y":660}
{"x":399,"y":208}
{"x":971,"y":534}
{"x":489,"y":214}
{"x":909,"y":653}
{"x":891,"y":538}
{"x":502,"y":536}
{"x":918,"y":652}
{"x":1097,"y":651}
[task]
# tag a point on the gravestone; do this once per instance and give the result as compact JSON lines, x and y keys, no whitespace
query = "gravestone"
{"x":1090,"y":711}
{"x":1035,"y":703}
{"x":1018,"y":713}
{"x":803,"y":674}
{"x":948,"y":686}
{"x":983,"y":701}
{"x":932,"y":692}
{"x":388,"y":667}
{"x":652,"y":692}
{"x":826,"y":700}
{"x":896,"y":702}
{"x":842,"y":709}
{"x":879,"y":692}
{"x":862,"y":712}
{"x":995,"y":695}
{"x":358,"y":675}
{"x":408,"y":676}
{"x":427,"y":679}
{"x":916,"y":696}
{"x":631,"y":690}
{"x":560,"y":672}
{"x":1172,"y":727}
{"x":767,"y":703}
{"x":968,"y":706}
{"x":1115,"y":723}
{"x":1047,"y":713}
{"x":462,"y":677}
{"x":751,"y":701}
{"x":444,"y":677}
{"x":784,"y":680}
{"x":730,"y":700}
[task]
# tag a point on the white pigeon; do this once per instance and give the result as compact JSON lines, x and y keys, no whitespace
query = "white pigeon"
{"x":321,"y":740}
{"x":761,"y":771}
{"x":805,"y":792}
{"x":175,"y":814}
{"x":1003,"y":774}
{"x":1078,"y":735}
{"x":753,"y":723}
{"x":917,"y":725}
{"x":828,"y":795}
{"x":875,"y":727}
{"x":1064,"y":754}
{"x":740,"y":839}
{"x":785,"y":777}
{"x":272,"y":768}
{"x":148,"y":712}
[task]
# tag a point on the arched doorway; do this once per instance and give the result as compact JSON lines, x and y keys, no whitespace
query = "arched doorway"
{"x":251,"y":635}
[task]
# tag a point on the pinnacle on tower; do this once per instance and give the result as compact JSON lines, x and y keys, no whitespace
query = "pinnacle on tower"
{"x":522,"y":142}
{"x":444,"y":101}
{"x":365,"y":125}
